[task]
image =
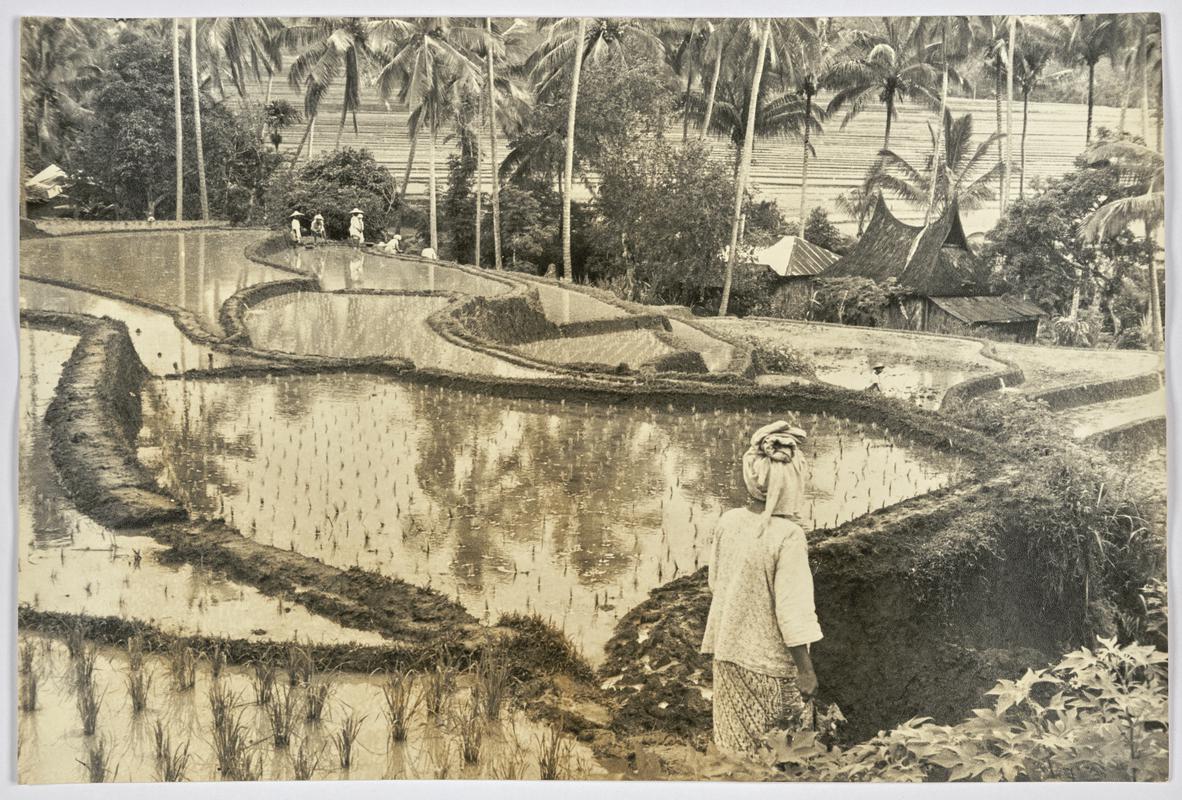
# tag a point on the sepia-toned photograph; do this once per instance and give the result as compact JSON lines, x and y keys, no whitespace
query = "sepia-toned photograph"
{"x":585,"y":398}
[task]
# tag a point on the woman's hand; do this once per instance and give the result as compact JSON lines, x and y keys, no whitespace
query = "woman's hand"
{"x":806,"y":678}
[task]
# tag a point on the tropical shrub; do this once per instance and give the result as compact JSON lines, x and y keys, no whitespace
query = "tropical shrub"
{"x":850,"y":301}
{"x":823,"y":233}
{"x":332,"y":185}
{"x":1098,"y":715}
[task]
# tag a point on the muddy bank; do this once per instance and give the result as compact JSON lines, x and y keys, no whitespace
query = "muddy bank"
{"x":92,"y":421}
{"x":1011,"y":375}
{"x":1132,"y":438}
{"x":231,"y":314}
{"x":896,"y":644}
{"x":1082,"y":394}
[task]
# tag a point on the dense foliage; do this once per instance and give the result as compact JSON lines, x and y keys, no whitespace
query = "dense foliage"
{"x":850,"y":301}
{"x":333,"y":185}
{"x":1099,"y":714}
{"x":1039,"y":252}
{"x":126,"y":159}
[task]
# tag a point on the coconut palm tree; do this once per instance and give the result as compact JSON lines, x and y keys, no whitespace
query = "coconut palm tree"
{"x":692,"y":44}
{"x":202,"y":190}
{"x":1088,"y":38}
{"x":236,"y":47}
{"x":745,"y":164}
{"x":58,"y":70}
{"x":180,"y":131}
{"x":1030,"y":72}
{"x":425,"y":63}
{"x":327,"y":47}
{"x":955,"y":35}
{"x":887,"y":65}
{"x":962,"y":172}
{"x":1143,"y":169}
{"x":569,"y":42}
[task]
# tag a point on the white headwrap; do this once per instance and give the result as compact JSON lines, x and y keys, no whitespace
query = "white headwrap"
{"x":774,"y":469}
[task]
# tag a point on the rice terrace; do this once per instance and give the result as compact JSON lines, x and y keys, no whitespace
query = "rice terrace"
{"x":405,"y":398}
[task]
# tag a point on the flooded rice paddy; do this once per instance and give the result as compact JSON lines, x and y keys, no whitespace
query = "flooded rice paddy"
{"x":161,"y":346}
{"x":344,"y":268}
{"x":69,"y":563}
{"x":53,"y":747}
{"x":571,"y":510}
{"x":631,"y":348}
{"x":196,"y":270}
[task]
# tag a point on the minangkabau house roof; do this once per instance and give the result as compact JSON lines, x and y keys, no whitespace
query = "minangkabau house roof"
{"x":932,"y":261}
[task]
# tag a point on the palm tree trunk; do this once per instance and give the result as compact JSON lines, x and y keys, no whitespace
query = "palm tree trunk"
{"x":180,"y":131}
{"x":266,"y":102}
{"x":1005,"y":189}
{"x":494,"y":166}
{"x":804,"y":165}
{"x":1155,"y":321}
{"x":1143,"y":58}
{"x":410,"y":160}
{"x":890,"y":113}
{"x":305,"y":139}
{"x":710,"y":98}
{"x":1091,"y":99}
{"x":341,"y":128}
{"x":1126,"y":90}
{"x":927,"y":214}
{"x":569,"y":164}
{"x":479,"y":200}
{"x":685,"y":110}
{"x":1022,"y":155}
{"x":997,"y":85}
{"x":744,"y":168}
{"x":431,"y":191}
{"x":202,"y":190}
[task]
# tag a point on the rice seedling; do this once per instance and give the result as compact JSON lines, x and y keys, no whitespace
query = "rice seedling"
{"x":469,"y":724}
{"x":182,"y":665}
{"x":511,"y":764}
{"x":89,"y":705}
{"x":28,"y":679}
{"x":84,"y":665}
{"x":98,"y":763}
{"x":281,"y":714}
{"x":299,"y":665}
{"x":316,"y":695}
{"x":75,"y":639}
{"x":437,"y":688}
{"x":492,"y":684}
{"x":135,"y":653}
{"x":305,"y":763}
{"x":217,"y":661}
{"x":139,"y":684}
{"x":345,"y":739}
{"x":262,"y":678}
{"x":554,"y":750}
{"x":171,"y":763}
{"x":401,"y":702}
{"x":231,"y":749}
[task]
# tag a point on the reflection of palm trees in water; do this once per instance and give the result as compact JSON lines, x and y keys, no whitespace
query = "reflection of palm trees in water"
{"x":528,"y":471}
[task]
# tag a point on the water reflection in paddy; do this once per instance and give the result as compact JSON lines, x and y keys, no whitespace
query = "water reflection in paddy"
{"x":69,"y":563}
{"x":160,"y":344}
{"x":196,"y":270}
{"x":346,"y":268}
{"x":574,"y":511}
{"x":360,"y":325}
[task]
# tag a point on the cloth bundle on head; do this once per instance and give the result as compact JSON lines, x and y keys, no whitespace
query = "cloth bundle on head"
{"x":774,"y":469}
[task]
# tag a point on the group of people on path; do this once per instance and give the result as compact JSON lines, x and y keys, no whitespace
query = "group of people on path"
{"x":356,"y":233}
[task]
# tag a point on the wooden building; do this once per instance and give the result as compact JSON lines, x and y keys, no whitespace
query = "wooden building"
{"x":945,"y":285}
{"x":795,"y":262}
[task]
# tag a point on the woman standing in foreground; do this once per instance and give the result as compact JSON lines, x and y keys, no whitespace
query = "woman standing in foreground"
{"x":762,"y":619}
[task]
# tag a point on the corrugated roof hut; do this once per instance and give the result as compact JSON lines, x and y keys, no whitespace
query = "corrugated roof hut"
{"x":945,"y":285}
{"x":795,"y":262}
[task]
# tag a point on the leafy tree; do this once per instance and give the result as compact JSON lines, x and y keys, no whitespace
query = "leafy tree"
{"x":277,"y":115}
{"x":850,"y":301}
{"x":332,"y":185}
{"x":823,"y":233}
{"x":1041,"y":254}
{"x":663,"y":214}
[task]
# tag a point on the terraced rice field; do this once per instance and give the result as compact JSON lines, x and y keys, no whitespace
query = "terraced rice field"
{"x":631,"y":348}
{"x":1055,"y":136}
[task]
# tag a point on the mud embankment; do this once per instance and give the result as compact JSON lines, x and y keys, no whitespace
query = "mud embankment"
{"x":1083,"y":394}
{"x":93,"y":420}
{"x":1010,"y":375}
{"x":893,"y":647}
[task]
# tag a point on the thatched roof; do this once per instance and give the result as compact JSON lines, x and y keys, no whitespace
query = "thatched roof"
{"x":973,"y":310}
{"x":933,"y":261}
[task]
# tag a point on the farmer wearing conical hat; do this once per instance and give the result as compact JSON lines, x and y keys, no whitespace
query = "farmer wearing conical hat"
{"x":318,"y":234}
{"x":296,"y":234}
{"x":357,"y":227}
{"x":762,"y":618}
